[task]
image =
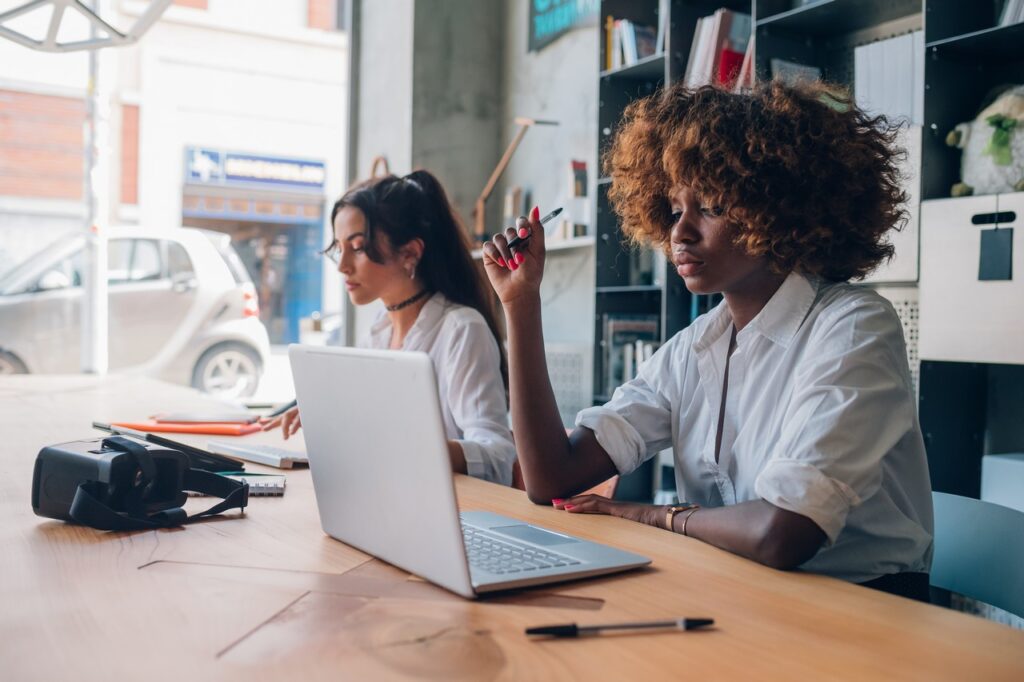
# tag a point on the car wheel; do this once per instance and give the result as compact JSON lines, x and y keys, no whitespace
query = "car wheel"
{"x":228,"y":370}
{"x":10,"y":364}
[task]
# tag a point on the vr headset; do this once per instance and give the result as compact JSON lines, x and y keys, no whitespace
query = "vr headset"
{"x":119,"y":483}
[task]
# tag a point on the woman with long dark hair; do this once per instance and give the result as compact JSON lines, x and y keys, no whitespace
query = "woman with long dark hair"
{"x":398,"y":240}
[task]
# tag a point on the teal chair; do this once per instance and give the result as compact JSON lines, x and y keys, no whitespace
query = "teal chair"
{"x":979,"y":551}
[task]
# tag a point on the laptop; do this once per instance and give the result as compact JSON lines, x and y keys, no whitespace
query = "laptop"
{"x":379,"y":460}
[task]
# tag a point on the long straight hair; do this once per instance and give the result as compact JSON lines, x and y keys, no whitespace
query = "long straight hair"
{"x":416,"y":207}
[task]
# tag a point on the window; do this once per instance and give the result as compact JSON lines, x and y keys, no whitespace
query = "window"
{"x":178,"y":262}
{"x":133,"y":260}
{"x":67,"y":273}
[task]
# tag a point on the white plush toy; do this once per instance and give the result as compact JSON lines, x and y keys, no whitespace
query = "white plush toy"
{"x":993,"y":147}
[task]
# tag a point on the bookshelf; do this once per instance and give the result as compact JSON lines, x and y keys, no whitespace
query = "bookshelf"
{"x":965,"y":53}
{"x":966,"y":411}
{"x":628,"y":281}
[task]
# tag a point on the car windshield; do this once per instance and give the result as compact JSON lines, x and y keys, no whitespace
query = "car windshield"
{"x":10,"y":278}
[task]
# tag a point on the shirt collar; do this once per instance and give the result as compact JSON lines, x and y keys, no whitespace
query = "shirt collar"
{"x":779,"y":320}
{"x":786,"y":310}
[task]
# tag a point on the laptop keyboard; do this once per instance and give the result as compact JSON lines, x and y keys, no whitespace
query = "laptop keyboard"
{"x":497,"y":554}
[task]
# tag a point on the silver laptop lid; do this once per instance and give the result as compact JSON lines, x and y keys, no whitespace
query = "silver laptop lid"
{"x":362,"y":411}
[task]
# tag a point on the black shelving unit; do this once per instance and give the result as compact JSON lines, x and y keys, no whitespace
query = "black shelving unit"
{"x":966,"y":55}
{"x":964,"y":411}
{"x":620,"y":286}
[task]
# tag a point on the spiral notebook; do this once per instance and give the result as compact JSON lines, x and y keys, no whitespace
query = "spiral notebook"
{"x":259,"y":484}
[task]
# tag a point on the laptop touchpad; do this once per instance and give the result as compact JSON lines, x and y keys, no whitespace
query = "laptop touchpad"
{"x":534,"y":535}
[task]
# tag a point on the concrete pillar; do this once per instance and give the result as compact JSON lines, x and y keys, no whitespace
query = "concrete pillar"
{"x":429,"y":95}
{"x":430,"y":91}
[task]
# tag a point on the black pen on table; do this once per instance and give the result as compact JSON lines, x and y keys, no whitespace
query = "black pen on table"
{"x":574,"y":630}
{"x":519,"y":241}
{"x":281,"y":410}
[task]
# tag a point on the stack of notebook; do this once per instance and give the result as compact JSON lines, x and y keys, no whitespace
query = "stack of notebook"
{"x":215,"y":424}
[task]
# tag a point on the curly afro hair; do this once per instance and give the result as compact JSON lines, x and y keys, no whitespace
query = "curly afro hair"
{"x":807,"y":179}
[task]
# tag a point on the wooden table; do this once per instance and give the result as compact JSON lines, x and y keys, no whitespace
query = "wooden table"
{"x":268,"y":596}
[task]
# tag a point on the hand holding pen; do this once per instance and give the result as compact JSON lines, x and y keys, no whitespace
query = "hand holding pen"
{"x":286,"y":416}
{"x":514,"y":259}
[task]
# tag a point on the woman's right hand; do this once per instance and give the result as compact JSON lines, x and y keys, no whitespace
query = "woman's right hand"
{"x":515,"y":273}
{"x":289,"y":422}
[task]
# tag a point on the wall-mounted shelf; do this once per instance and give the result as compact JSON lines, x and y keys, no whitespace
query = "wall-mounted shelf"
{"x":997,"y":42}
{"x":637,"y":289}
{"x":832,"y":17}
{"x":645,"y":69}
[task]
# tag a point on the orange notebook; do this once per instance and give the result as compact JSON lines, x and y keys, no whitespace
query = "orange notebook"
{"x":211,"y":428}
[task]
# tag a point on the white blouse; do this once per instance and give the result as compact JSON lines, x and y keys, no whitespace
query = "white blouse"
{"x":820,"y":419}
{"x":468,"y":368}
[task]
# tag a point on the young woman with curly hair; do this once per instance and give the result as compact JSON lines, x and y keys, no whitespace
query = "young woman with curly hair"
{"x":789,"y":407}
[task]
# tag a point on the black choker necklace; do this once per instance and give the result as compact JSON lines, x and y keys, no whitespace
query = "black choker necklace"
{"x":407,"y":302}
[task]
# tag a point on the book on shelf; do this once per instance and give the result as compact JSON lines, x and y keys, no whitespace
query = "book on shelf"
{"x":577,"y":178}
{"x":745,"y":78}
{"x":1013,"y":12}
{"x":641,"y":266}
{"x":719,"y":45}
{"x":577,"y":215}
{"x":634,"y":356}
{"x":625,"y":344}
{"x":888,"y":77}
{"x":659,"y":38}
{"x":626,"y":42}
{"x":512,"y":207}
{"x":645,"y":41}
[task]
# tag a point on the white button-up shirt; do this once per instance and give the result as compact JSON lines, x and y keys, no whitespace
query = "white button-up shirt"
{"x":468,"y":368}
{"x":820,"y":419}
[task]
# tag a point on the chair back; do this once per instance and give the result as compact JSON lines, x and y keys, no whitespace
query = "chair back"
{"x":979,"y":551}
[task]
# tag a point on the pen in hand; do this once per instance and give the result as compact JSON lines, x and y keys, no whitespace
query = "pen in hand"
{"x":281,"y":410}
{"x":518,"y":241}
{"x":574,"y":630}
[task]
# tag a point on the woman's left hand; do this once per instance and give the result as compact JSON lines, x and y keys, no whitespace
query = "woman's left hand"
{"x":651,"y":514}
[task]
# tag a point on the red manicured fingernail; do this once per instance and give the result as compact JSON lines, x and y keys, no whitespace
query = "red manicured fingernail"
{"x":501,"y":261}
{"x":557,"y":500}
{"x":570,"y":506}
{"x":523,"y":233}
{"x":535,"y":214}
{"x":520,"y":258}
{"x":513,"y":265}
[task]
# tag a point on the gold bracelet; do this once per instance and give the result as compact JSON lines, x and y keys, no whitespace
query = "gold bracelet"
{"x":671,"y":511}
{"x":687,"y":518}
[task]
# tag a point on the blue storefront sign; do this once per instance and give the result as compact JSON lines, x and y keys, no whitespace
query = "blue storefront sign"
{"x":282,"y":201}
{"x":551,"y":19}
{"x":204,"y":166}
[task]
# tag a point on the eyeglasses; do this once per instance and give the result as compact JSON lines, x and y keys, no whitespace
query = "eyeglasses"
{"x":332,"y":252}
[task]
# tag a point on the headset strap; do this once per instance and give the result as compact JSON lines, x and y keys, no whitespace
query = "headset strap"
{"x":87,"y":509}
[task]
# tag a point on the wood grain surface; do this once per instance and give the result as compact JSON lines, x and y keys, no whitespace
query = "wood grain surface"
{"x":266,"y":595}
